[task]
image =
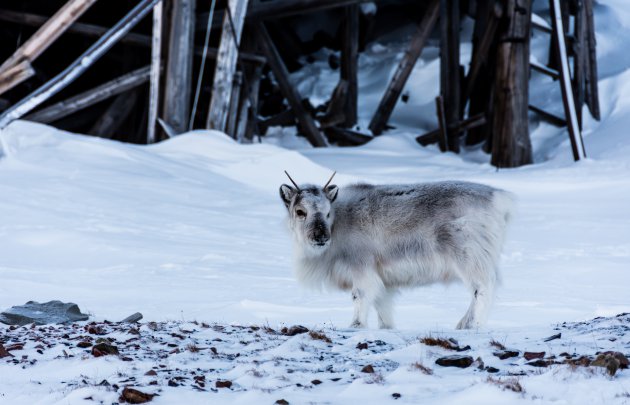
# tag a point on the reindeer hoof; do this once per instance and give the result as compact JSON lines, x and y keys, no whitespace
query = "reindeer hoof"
{"x":357,"y":325}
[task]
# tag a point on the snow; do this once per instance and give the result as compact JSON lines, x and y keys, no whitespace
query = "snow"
{"x":192,"y":230}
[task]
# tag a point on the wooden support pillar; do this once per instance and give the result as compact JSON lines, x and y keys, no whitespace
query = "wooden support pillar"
{"x":396,"y":85}
{"x":511,"y":146}
{"x":115,"y":115}
{"x":15,"y":75}
{"x":590,"y":74}
{"x":233,"y":22}
{"x":579,"y":57}
{"x":289,"y":91}
{"x":178,"y":83}
{"x":450,"y":69}
{"x":349,"y":64}
{"x":156,"y":65}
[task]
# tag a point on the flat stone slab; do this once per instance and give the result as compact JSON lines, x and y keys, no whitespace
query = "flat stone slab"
{"x":42,"y":314}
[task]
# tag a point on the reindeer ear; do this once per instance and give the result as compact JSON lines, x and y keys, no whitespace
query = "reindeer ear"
{"x":331,"y":192}
{"x":287,"y":193}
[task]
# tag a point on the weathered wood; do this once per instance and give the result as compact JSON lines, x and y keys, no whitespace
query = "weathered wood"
{"x":575,"y":134}
{"x":442,"y":125}
{"x":397,"y":83}
{"x":349,"y":64}
{"x":115,"y":115}
{"x":232,"y":117}
{"x":450,"y":79}
{"x":289,"y":91}
{"x":156,"y":64}
{"x":178,"y":83}
{"x":590,"y":75}
{"x":465,"y":125}
{"x":48,"y":33}
{"x":88,"y":98}
{"x":78,"y":67}
{"x":347,"y":137}
{"x":511,"y":146}
{"x":554,"y":74}
{"x":335,"y":112}
{"x":233,"y":22}
{"x":15,"y":75}
{"x":579,"y":57}
{"x":549,"y":117}
{"x":252,"y":109}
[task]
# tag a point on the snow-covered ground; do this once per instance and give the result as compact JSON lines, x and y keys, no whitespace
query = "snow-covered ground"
{"x":192,"y":229}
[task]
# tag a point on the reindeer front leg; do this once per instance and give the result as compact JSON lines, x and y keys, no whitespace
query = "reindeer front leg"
{"x":361,"y":308}
{"x":366,"y":288}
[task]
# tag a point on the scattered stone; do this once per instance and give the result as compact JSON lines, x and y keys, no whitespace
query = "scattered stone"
{"x":134,"y":396}
{"x":455,"y":361}
{"x":15,"y":346}
{"x":319,"y":336}
{"x":554,"y":337}
{"x":84,"y":344}
{"x":448,"y":344}
{"x":151,"y":372}
{"x":4,"y":352}
{"x":172,"y":383}
{"x":362,"y":346}
{"x":316,"y":382}
{"x":282,"y":402}
{"x":538,"y":363}
{"x":223,"y":384}
{"x":294,"y":330}
{"x":492,"y":369}
{"x":104,"y":349}
{"x":133,"y":318}
{"x":96,"y":330}
{"x":396,"y":395}
{"x":533,"y":355}
{"x":506,"y":354}
{"x":42,"y":314}
{"x":368,"y":369}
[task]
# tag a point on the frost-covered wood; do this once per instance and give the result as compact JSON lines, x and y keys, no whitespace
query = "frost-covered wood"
{"x":156,"y":64}
{"x":15,"y":75}
{"x":233,"y":22}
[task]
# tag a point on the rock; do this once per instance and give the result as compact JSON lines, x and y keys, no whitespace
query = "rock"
{"x":151,"y":372}
{"x":553,"y":337}
{"x":84,"y":344}
{"x":362,"y":346}
{"x":133,"y":318}
{"x":134,"y":396}
{"x":533,"y":355}
{"x":368,"y":369}
{"x":294,"y":330}
{"x":396,"y":395}
{"x":282,"y":402}
{"x":506,"y":354}
{"x":316,"y":382}
{"x":538,"y":363}
{"x":4,"y":352}
{"x":223,"y":384}
{"x":104,"y":349}
{"x":42,"y":314}
{"x":492,"y":369}
{"x":455,"y":361}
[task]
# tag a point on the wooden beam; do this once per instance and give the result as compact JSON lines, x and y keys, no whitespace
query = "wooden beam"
{"x":347,"y":137}
{"x":590,"y":76}
{"x":88,"y":98}
{"x":511,"y":146}
{"x":15,"y":75}
{"x":235,"y":101}
{"x":579,"y":57}
{"x":115,"y":115}
{"x":156,"y":65}
{"x":465,"y":125}
{"x":281,"y":74}
{"x":178,"y":83}
{"x":77,"y":68}
{"x":554,"y":74}
{"x":349,"y":64}
{"x":48,"y":33}
{"x":397,"y":83}
{"x":252,"y":108}
{"x":547,"y":116}
{"x":442,"y":125}
{"x":575,"y":135}
{"x":450,"y":70}
{"x":225,"y":69}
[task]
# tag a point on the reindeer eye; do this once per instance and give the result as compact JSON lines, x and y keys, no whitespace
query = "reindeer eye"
{"x":300,"y":213}
{"x":328,"y":215}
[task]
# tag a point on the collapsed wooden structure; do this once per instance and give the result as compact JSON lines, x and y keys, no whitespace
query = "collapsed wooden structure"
{"x":236,"y":83}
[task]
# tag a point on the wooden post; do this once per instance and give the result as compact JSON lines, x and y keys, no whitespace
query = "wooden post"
{"x":450,"y":71}
{"x":590,"y":75}
{"x":233,"y":22}
{"x":511,"y":146}
{"x":178,"y":84}
{"x":77,"y":68}
{"x":442,"y":126}
{"x":115,"y":115}
{"x":396,"y":85}
{"x":252,"y":104}
{"x":349,"y":63}
{"x":232,"y":118}
{"x":156,"y":64}
{"x":48,"y":33}
{"x":281,"y":74}
{"x":15,"y":75}
{"x":88,"y":98}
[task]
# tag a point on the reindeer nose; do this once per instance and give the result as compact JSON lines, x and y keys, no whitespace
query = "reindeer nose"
{"x":321,"y":238}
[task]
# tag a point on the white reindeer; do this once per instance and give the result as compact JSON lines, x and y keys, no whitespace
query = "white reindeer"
{"x":373,"y":240}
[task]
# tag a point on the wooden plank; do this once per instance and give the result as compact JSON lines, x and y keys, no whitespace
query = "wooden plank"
{"x":156,"y":65}
{"x":450,"y":71}
{"x":281,"y":74}
{"x":252,"y":110}
{"x":575,"y":135}
{"x":178,"y":83}
{"x":233,"y":22}
{"x":48,"y":33}
{"x":115,"y":115}
{"x":347,"y":137}
{"x":442,"y":128}
{"x":15,"y":75}
{"x":465,"y":125}
{"x":579,"y":58}
{"x":77,"y":68}
{"x":90,"y":97}
{"x":232,"y":117}
{"x":590,"y":76}
{"x":511,"y":146}
{"x":349,"y":64}
{"x":549,"y":117}
{"x":554,"y":74}
{"x":397,"y":83}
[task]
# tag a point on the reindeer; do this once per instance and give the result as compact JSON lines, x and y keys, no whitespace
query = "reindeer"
{"x":374,"y":240}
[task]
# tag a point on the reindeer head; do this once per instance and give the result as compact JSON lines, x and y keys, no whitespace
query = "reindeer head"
{"x":310,"y":213}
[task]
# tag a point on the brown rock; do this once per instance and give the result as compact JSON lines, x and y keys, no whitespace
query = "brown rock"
{"x":84,"y":344}
{"x":282,"y":402}
{"x":4,"y":352}
{"x":151,"y":372}
{"x":538,"y":363}
{"x":362,"y":346}
{"x":367,"y":369}
{"x":455,"y":361}
{"x":223,"y":384}
{"x":533,"y":355}
{"x":134,"y":396}
{"x":506,"y":354}
{"x":294,"y":330}
{"x":104,"y":349}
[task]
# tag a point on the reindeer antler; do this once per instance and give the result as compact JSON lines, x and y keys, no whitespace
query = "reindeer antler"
{"x":294,"y":183}
{"x":329,"y":180}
